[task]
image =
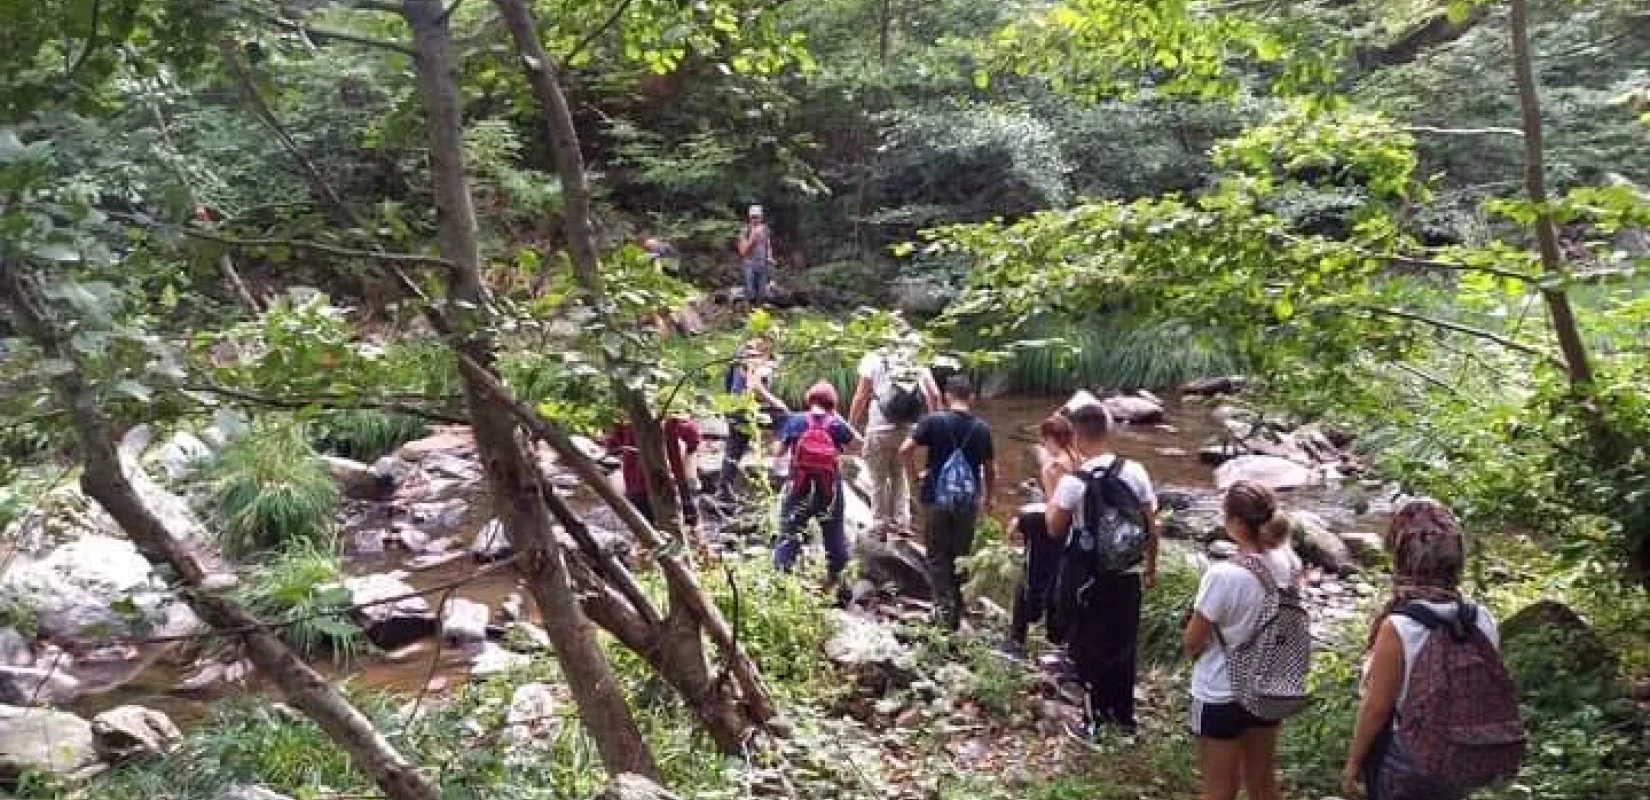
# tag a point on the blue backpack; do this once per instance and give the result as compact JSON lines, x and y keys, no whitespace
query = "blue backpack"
{"x":956,"y":486}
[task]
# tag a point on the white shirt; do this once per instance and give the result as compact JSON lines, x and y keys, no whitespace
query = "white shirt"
{"x":1232,"y":598}
{"x":1414,"y":635}
{"x":1068,"y":493}
{"x":880,"y":367}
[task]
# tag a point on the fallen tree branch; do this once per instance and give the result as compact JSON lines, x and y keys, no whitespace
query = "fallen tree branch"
{"x":1466,"y":330}
{"x":294,"y":244}
{"x":324,"y":34}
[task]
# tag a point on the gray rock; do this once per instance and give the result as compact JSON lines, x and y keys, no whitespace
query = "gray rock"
{"x":1365,"y":546}
{"x":48,"y":685}
{"x":361,"y":481}
{"x":1135,"y":409}
{"x":389,"y":625}
{"x":634,"y":787}
{"x":447,"y":465}
{"x":248,"y":793}
{"x":1275,"y":473}
{"x":532,"y":714}
{"x":180,"y":455}
{"x":1209,"y":387}
{"x":445,"y":516}
{"x":857,"y":641}
{"x":1317,"y":544}
{"x":464,"y":621}
{"x":15,"y":650}
{"x":898,"y":563}
{"x":493,"y":659}
{"x":133,"y":732}
{"x":42,"y":740}
{"x":456,"y":440}
{"x":78,"y":590}
{"x":1222,"y":549}
{"x":491,"y":543}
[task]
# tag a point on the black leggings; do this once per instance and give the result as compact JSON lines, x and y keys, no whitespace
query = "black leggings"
{"x":1034,"y":599}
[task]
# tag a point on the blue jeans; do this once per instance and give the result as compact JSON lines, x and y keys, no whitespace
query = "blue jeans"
{"x":756,"y":282}
{"x":797,"y":507}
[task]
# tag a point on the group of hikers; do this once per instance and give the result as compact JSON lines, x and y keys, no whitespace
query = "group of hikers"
{"x":1438,"y":715}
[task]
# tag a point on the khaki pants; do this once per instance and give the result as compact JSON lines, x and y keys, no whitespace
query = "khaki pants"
{"x":890,"y":486}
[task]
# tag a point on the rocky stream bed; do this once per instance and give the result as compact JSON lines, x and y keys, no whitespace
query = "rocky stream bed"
{"x":112,"y":667}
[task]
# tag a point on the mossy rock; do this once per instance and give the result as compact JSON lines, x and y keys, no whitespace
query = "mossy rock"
{"x":1556,"y":658}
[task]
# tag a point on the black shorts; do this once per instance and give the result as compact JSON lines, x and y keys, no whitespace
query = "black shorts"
{"x":1223,"y":720}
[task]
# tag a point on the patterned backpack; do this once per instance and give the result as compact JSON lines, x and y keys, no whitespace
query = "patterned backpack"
{"x":1459,"y":727}
{"x":1269,"y":670}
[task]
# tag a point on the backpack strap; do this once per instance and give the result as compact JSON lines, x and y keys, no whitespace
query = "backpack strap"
{"x":1460,"y":629}
{"x":974,"y":426}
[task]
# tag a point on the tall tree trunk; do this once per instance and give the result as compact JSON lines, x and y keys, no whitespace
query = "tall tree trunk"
{"x":513,"y":473}
{"x":885,"y":30}
{"x":105,"y":481}
{"x":684,"y":588}
{"x":1570,"y":343}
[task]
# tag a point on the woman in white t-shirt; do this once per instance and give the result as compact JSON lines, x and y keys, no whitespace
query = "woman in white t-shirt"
{"x":1236,"y":748}
{"x":1428,"y":547}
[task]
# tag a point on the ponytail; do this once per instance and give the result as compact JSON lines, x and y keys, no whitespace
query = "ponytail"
{"x":1256,"y":507}
{"x":1275,"y":532}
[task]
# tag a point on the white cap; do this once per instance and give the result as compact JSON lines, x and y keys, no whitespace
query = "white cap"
{"x":756,"y":211}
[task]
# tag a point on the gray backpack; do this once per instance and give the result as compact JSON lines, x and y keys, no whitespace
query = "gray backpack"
{"x":1269,"y":671}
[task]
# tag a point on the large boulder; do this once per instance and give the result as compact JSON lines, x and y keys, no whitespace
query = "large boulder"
{"x":1209,"y":387}
{"x":44,"y":741}
{"x":49,"y":685}
{"x":1135,"y":409}
{"x":128,"y":733}
{"x":1320,"y":545}
{"x":391,"y":624}
{"x":898,"y":563}
{"x":86,"y":590}
{"x":377,"y":481}
{"x":180,"y":455}
{"x":634,"y":787}
{"x":1546,"y":639}
{"x":532,"y":716}
{"x":1277,"y":474}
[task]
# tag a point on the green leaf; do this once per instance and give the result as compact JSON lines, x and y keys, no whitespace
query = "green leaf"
{"x":133,"y":389}
{"x":982,"y":79}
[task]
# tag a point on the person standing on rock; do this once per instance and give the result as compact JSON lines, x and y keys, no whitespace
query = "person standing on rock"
{"x":892,"y":395}
{"x":956,"y":489}
{"x":1106,"y":513}
{"x":755,"y":246}
{"x":1235,"y":747}
{"x":814,"y":441}
{"x":1033,"y":598}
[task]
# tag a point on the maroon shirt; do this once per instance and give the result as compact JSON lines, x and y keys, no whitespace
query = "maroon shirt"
{"x":681,"y":436}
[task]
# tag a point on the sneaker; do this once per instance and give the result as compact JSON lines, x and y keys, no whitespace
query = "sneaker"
{"x":1012,"y":650}
{"x":1084,"y":733}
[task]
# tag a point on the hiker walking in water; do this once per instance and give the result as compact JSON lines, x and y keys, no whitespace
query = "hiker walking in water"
{"x":1033,"y":598}
{"x":750,"y":375}
{"x":755,"y":246}
{"x":1105,"y":512}
{"x":814,"y":441}
{"x":1432,"y":674}
{"x":681,"y":442}
{"x":891,"y":396}
{"x":1244,"y":605}
{"x":955,"y":490}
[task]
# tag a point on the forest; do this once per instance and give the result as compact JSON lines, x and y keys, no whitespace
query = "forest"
{"x":345,"y":347}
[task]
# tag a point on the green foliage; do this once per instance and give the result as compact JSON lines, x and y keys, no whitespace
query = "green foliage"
{"x":304,"y":583}
{"x":1163,"y":612}
{"x":994,"y":567}
{"x":781,"y":623}
{"x":1117,"y":351}
{"x":270,"y":490}
{"x":363,"y":434}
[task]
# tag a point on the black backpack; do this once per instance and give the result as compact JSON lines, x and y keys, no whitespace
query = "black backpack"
{"x":1112,"y":537}
{"x":903,"y":403}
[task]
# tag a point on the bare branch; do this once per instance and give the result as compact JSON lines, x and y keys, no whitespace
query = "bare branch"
{"x":1467,"y":330}
{"x":328,"y":401}
{"x":91,"y":38}
{"x":591,"y":37}
{"x":323,"y":34}
{"x":1492,"y":131}
{"x":1422,"y":263}
{"x":295,"y":244}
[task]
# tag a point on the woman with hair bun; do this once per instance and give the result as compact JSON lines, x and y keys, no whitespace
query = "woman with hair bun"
{"x":1237,"y":748}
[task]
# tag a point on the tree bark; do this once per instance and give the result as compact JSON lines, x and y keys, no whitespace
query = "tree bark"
{"x":1577,"y":362}
{"x":513,"y":474}
{"x":684,"y":588}
{"x":105,"y":481}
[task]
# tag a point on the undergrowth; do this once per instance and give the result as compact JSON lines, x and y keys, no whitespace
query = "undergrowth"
{"x":363,"y":434}
{"x":303,"y":582}
{"x":269,"y":489}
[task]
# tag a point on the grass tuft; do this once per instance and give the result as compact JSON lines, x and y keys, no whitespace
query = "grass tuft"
{"x":303,"y":582}
{"x":270,"y":489}
{"x":363,"y":434}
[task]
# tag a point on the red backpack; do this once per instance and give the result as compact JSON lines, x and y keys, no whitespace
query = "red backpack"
{"x":1459,"y":725}
{"x":814,"y":458}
